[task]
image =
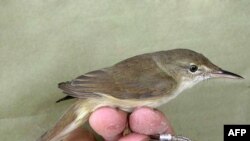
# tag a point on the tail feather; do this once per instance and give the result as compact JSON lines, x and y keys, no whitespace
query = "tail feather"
{"x":64,"y":98}
{"x":74,"y":117}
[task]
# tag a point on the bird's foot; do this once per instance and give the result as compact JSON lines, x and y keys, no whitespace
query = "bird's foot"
{"x":169,"y":137}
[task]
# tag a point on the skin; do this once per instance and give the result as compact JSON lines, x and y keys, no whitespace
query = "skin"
{"x":110,"y":123}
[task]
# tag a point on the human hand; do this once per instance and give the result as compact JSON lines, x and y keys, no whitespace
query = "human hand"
{"x":110,"y":124}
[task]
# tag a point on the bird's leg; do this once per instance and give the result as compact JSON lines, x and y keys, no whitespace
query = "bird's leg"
{"x":127,"y":129}
{"x":168,"y":137}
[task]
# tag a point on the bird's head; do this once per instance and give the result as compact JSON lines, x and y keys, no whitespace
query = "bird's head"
{"x":192,"y":67}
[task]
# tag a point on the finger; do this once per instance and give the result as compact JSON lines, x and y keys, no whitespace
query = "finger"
{"x":80,"y":134}
{"x":147,"y":121}
{"x":108,"y":122}
{"x":134,"y":137}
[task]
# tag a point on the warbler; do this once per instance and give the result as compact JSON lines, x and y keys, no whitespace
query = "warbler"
{"x":150,"y":79}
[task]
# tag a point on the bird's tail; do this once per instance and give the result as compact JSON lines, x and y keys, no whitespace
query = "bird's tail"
{"x":74,"y":117}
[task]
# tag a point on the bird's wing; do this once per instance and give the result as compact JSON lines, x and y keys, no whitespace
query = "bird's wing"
{"x":129,"y":79}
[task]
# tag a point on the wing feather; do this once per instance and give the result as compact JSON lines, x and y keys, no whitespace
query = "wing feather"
{"x":128,"y":79}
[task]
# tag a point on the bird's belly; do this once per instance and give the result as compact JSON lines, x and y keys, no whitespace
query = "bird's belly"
{"x":130,"y":104}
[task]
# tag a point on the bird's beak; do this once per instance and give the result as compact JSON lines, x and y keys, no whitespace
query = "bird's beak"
{"x":225,"y":74}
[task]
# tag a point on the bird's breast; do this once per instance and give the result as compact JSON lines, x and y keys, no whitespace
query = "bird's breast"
{"x":130,"y":104}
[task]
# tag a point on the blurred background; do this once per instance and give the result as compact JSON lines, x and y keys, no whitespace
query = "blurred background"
{"x":44,"y":42}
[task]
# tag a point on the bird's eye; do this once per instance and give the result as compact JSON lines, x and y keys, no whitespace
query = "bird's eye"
{"x":193,"y":68}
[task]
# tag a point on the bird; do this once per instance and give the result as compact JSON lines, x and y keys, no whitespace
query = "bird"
{"x":150,"y":79}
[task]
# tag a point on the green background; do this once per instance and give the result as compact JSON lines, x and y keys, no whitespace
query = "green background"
{"x":44,"y":42}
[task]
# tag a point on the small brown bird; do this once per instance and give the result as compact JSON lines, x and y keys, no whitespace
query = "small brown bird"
{"x":150,"y":79}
